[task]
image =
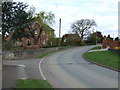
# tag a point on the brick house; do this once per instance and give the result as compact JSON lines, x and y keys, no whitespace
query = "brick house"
{"x":71,"y":39}
{"x":39,"y":40}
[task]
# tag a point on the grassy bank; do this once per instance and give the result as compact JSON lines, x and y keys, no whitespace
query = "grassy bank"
{"x":95,"y":48}
{"x":105,"y":58}
{"x":32,"y":83}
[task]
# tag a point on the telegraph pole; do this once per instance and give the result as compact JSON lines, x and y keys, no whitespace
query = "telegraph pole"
{"x":113,"y":37}
{"x":59,"y":30}
{"x":96,"y":37}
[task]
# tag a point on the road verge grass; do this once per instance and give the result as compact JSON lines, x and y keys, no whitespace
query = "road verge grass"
{"x":46,"y":54}
{"x":95,"y":48}
{"x":33,"y":83}
{"x":104,"y":58}
{"x":61,"y":48}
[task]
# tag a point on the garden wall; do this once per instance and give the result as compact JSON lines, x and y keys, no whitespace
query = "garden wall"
{"x":115,"y":51}
{"x":110,"y":43}
{"x":23,"y":54}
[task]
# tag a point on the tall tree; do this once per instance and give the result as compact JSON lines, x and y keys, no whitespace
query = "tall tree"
{"x":15,"y":19}
{"x":94,"y":38}
{"x":81,"y":27}
{"x":45,"y":18}
{"x":109,"y":37}
{"x":117,"y":39}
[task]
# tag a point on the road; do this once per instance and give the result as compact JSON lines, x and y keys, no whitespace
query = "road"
{"x":31,"y":66}
{"x":67,"y":69}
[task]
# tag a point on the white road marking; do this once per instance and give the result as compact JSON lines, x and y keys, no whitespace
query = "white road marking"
{"x":21,"y":72}
{"x":41,"y":71}
{"x":40,"y":68}
{"x":23,"y":66}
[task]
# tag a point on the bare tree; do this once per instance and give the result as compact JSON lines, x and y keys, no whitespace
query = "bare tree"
{"x":81,"y":27}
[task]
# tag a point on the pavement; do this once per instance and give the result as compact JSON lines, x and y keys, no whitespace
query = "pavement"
{"x":20,"y":69}
{"x":9,"y":76}
{"x":68,"y":69}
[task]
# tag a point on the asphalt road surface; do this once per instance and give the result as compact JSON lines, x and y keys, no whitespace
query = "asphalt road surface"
{"x":67,"y":69}
{"x":31,"y":66}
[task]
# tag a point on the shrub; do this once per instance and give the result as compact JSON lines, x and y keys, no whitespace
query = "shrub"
{"x":53,"y":42}
{"x":7,"y":45}
{"x":117,"y":48}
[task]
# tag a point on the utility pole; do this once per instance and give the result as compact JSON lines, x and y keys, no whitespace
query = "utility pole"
{"x":96,"y":37}
{"x":59,"y":31}
{"x":113,"y":36}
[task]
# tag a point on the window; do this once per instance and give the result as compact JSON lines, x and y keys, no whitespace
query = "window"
{"x":65,"y":40}
{"x":43,"y":41}
{"x":36,"y":31}
{"x":43,"y":33}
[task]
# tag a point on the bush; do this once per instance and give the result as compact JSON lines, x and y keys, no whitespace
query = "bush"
{"x":117,"y":48}
{"x":16,"y":48}
{"x":10,"y":45}
{"x":72,"y":42}
{"x":7,"y":45}
{"x":92,"y":39}
{"x":53,"y":42}
{"x":117,"y":51}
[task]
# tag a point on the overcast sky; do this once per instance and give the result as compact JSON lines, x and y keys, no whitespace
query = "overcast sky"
{"x":105,"y":13}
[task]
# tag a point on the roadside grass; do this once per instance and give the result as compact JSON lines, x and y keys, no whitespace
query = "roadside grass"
{"x":46,"y":54}
{"x":51,"y":52}
{"x":32,"y":83}
{"x":105,"y":58}
{"x":95,"y":48}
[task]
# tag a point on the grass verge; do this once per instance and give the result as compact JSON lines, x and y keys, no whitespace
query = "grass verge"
{"x":46,"y":54}
{"x":104,"y":58}
{"x":95,"y":48}
{"x":51,"y":52}
{"x":32,"y":83}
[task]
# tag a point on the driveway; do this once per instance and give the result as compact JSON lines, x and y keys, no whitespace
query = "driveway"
{"x":67,"y":69}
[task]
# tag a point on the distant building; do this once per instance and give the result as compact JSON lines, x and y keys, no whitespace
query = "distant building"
{"x":70,"y":39}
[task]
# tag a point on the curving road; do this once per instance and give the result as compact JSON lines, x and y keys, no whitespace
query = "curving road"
{"x":67,"y":69}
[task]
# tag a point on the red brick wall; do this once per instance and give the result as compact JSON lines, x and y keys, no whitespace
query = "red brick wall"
{"x":110,"y":43}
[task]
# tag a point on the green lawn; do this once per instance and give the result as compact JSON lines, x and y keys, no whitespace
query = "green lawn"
{"x":32,"y":83}
{"x":106,"y":58}
{"x":97,"y":47}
